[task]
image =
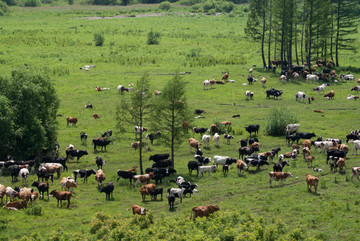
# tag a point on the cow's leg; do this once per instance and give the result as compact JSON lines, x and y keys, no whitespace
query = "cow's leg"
{"x":270,"y":181}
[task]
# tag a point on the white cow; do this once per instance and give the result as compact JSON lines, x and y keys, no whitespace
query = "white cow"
{"x":216,"y":139}
{"x":356,"y":146}
{"x":206,"y":84}
{"x":296,"y":75}
{"x":320,"y":88}
{"x":206,"y":139}
{"x":249,"y":94}
{"x":220,"y":160}
{"x":349,"y":77}
{"x":290,"y":128}
{"x":317,"y":144}
{"x":325,"y":145}
{"x":355,"y":172}
{"x":177,"y":192}
{"x":138,"y":130}
{"x":300,"y":95}
{"x":208,"y":169}
{"x":352,"y":97}
{"x":312,"y":77}
{"x":24,"y":173}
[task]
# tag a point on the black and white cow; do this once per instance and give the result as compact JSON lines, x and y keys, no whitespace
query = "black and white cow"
{"x":89,"y":106}
{"x":75,"y":153}
{"x":83,"y":173}
{"x":300,"y":95}
{"x":278,"y":167}
{"x":107,"y":133}
{"x":99,"y":162}
{"x":103,"y":142}
{"x":153,"y":136}
{"x":199,"y":112}
{"x":83,"y":137}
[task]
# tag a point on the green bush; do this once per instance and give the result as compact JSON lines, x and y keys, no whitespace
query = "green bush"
{"x":189,"y":2}
{"x":70,"y":2}
{"x":99,"y":39}
{"x":32,"y":3}
{"x":277,"y":120}
{"x":165,"y":5}
{"x":153,"y":38}
{"x":3,"y":8}
{"x":35,"y":210}
{"x":9,"y":2}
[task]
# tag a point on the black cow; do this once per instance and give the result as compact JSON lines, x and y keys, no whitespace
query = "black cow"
{"x":171,"y":200}
{"x":43,"y":174}
{"x":164,"y":171}
{"x":199,"y":112}
{"x":250,"y":79}
{"x":107,"y":133}
{"x":14,"y":172}
{"x":352,"y":137}
{"x":305,"y":135}
{"x":60,"y":160}
{"x":297,"y":68}
{"x":163,"y":163}
{"x":156,"y":192}
{"x":199,"y":152}
{"x":108,"y":189}
{"x":246,"y":150}
{"x":335,"y":153}
{"x":125,"y":175}
{"x":89,"y":106}
{"x":293,"y":138}
{"x":159,"y":157}
{"x":199,"y":130}
{"x":100,"y":142}
{"x":42,"y":187}
{"x":234,"y":116}
{"x":99,"y":162}
{"x":275,"y":151}
{"x":83,"y":173}
{"x":202,"y":159}
{"x":9,"y":163}
{"x":75,"y":153}
{"x":83,"y":137}
{"x":153,"y":136}
{"x":243,"y":142}
{"x":193,"y":165}
{"x":273,"y":92}
{"x":278,"y":167}
{"x":252,"y":128}
{"x":252,"y":140}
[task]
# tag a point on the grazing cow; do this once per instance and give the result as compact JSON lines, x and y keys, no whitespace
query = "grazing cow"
{"x":72,"y":120}
{"x":142,"y":179}
{"x":246,"y":150}
{"x":98,"y":88}
{"x":291,"y":128}
{"x":107,"y":133}
{"x":278,"y":167}
{"x":61,"y":195}
{"x":263,"y":82}
{"x":83,"y":173}
{"x":101,"y":141}
{"x":42,"y":187}
{"x":138,"y":210}
{"x":203,"y":211}
{"x":11,"y":193}
{"x":171,"y":201}
{"x":340,"y":164}
{"x":96,"y":116}
{"x":255,"y":162}
{"x":293,"y":138}
{"x":330,"y":95}
{"x":14,"y":172}
{"x":335,"y":153}
{"x":249,"y":94}
{"x":83,"y":137}
{"x":199,"y":130}
{"x":139,"y":130}
{"x":60,"y":160}
{"x":320,"y":88}
{"x":309,"y":160}
{"x":348,"y":77}
{"x":206,"y":139}
{"x":15,"y":205}
{"x":24,"y":173}
{"x":356,"y":146}
{"x":278,"y":176}
{"x":209,"y":169}
{"x":306,"y":152}
{"x":203,"y":160}
{"x":228,"y":138}
{"x":252,"y":128}
{"x":153,"y":136}
{"x":193,"y":165}
{"x":194,"y":143}
{"x":243,"y":142}
{"x":99,"y":162}
{"x":75,"y":153}
{"x":206,"y":84}
{"x":89,"y":106}
{"x":300,"y":95}
{"x":306,"y":143}
{"x":125,"y":175}
{"x":43,"y":174}
{"x":275,"y":151}
{"x":355,"y":172}
{"x":100,"y":177}
{"x":157,"y":191}
{"x":212,"y":83}
{"x":224,"y":160}
{"x":159,"y":157}
{"x":241,"y":165}
{"x":177,"y":192}
{"x":216,"y":139}
{"x":312,"y":77}
{"x":273,"y":92}
{"x":312,"y":181}
{"x":283,"y":78}
{"x":108,"y":189}
{"x":352,"y":97}
{"x":305,"y":135}
{"x":67,"y":183}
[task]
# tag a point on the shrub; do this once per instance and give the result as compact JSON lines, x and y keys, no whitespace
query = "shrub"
{"x":278,"y":119}
{"x":3,"y":8}
{"x":153,"y":38}
{"x":165,"y":5}
{"x":32,"y":3}
{"x":9,"y":2}
{"x":99,"y":39}
{"x":35,"y":210}
{"x":70,"y":2}
{"x":189,"y":2}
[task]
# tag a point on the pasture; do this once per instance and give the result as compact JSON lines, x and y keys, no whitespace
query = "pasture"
{"x":59,"y":40}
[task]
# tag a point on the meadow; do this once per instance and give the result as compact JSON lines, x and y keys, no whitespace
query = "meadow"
{"x":59,"y":40}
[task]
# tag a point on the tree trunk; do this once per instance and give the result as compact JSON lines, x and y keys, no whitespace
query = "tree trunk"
{"x":302,"y":44}
{"x":337,"y":36}
{"x":310,"y":34}
{"x":172,"y":135}
{"x":141,"y":143}
{"x":263,"y":38}
{"x":269,"y":44}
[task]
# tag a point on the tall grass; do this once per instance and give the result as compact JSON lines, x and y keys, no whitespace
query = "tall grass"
{"x":278,"y":119}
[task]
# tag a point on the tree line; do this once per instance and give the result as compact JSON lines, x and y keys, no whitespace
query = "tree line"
{"x":297,"y":32}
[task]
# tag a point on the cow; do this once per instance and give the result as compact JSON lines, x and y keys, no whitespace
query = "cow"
{"x":348,"y":77}
{"x":107,"y":133}
{"x":202,"y":159}
{"x":99,"y":162}
{"x":249,"y":94}
{"x":199,"y":112}
{"x":194,"y":143}
{"x":142,"y":179}
{"x":224,"y":160}
{"x":291,"y":128}
{"x":199,"y":130}
{"x":246,"y":150}
{"x":355,"y":172}
{"x":72,"y":120}
{"x":146,"y":190}
{"x":309,"y":160}
{"x":252,"y":128}
{"x":335,"y":153}
{"x":356,"y":146}
{"x":278,"y":176}
{"x":320,"y":88}
{"x":241,"y":165}
{"x":153,"y":136}
{"x":300,"y":95}
{"x":101,"y":141}
{"x":83,"y":173}
{"x":255,"y":162}
{"x":209,"y":169}
{"x":312,"y":181}
{"x":206,"y":139}
{"x":203,"y":211}
{"x":193,"y":165}
{"x":228,"y":138}
{"x":177,"y":192}
{"x":75,"y":153}
{"x":96,"y":116}
{"x":278,"y":167}
{"x":292,"y":138}
{"x":83,"y":137}
{"x":171,"y":201}
{"x":139,"y":130}
{"x":206,"y":84}
{"x":330,"y":95}
{"x":159,"y":157}
{"x":273,"y":92}
{"x":311,"y":77}
{"x":216,"y":139}
{"x":305,"y":135}
{"x":138,"y":210}
{"x":167,"y":163}
{"x":125,"y":175}
{"x":60,"y":160}
{"x":89,"y":106}
{"x":108,"y":189}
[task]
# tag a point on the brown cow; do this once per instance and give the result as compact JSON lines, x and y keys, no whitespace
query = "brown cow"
{"x":306,"y":152}
{"x":344,"y":148}
{"x":226,"y":123}
{"x":98,"y":88}
{"x":72,"y":120}
{"x":312,"y":181}
{"x":138,"y":210}
{"x":194,"y":143}
{"x":307,"y":143}
{"x":330,"y":95}
{"x":96,"y":116}
{"x":100,"y":177}
{"x":341,"y":164}
{"x":2,"y":193}
{"x":241,"y":165}
{"x":16,"y":205}
{"x":61,"y":195}
{"x":146,"y":190}
{"x":136,"y":145}
{"x":278,"y":176}
{"x":53,"y":169}
{"x":213,"y":128}
{"x":309,"y":160}
{"x":142,"y":179}
{"x":203,"y":211}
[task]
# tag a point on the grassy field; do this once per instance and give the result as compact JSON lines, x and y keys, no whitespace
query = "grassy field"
{"x":59,"y":40}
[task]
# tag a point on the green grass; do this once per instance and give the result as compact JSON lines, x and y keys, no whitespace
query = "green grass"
{"x":57,"y":40}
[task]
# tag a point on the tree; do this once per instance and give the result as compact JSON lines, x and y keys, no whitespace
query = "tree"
{"x":29,"y":126}
{"x":171,"y":112}
{"x":134,"y":111}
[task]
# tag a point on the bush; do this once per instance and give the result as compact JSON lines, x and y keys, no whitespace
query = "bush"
{"x":165,"y":5}
{"x":9,"y":2}
{"x":189,"y":2}
{"x":99,"y":39}
{"x":32,"y":3}
{"x":3,"y":8}
{"x":153,"y":38}
{"x":278,"y":119}
{"x":70,"y":2}
{"x":35,"y":210}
